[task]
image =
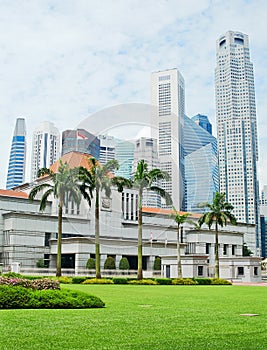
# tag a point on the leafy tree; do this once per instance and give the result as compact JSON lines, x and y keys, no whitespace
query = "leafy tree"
{"x":100,"y":178}
{"x":179,"y":219}
{"x":124,"y":264}
{"x":246,"y":250}
{"x":220,"y":212}
{"x":110,"y":263}
{"x":64,"y":183}
{"x":146,"y":179}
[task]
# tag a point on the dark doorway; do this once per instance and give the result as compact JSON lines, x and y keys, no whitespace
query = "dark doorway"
{"x":68,"y":261}
{"x":133,"y":262}
{"x":168,"y":271}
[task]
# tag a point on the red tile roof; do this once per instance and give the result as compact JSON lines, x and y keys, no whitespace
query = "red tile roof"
{"x":73,"y":159}
{"x":11,"y":193}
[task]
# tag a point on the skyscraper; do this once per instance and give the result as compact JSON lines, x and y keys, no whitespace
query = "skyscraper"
{"x":17,"y":159}
{"x":107,"y":148}
{"x":203,"y":121}
{"x":124,"y":154}
{"x":45,"y":147}
{"x":201,"y":165}
{"x":168,"y":101}
{"x":237,"y":130}
{"x":82,"y":141}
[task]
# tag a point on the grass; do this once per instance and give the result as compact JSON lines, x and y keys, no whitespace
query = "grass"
{"x":145,"y":317}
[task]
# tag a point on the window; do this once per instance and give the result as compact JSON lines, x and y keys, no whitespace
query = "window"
{"x":225,"y":249}
{"x":233,"y":249}
{"x":200,"y":270}
{"x":208,"y":245}
{"x":256,"y":271}
{"x":47,"y":238}
{"x":240,"y":271}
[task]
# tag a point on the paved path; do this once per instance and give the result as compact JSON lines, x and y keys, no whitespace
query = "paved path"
{"x":259,"y":284}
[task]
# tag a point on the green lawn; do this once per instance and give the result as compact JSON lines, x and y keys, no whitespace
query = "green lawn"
{"x":146,"y":317}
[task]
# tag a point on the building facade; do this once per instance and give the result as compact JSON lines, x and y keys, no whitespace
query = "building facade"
{"x":107,"y":148}
{"x":45,"y":147}
{"x":124,"y":154}
{"x":237,"y":130}
{"x":82,"y":141}
{"x":167,"y":122}
{"x":17,"y":158}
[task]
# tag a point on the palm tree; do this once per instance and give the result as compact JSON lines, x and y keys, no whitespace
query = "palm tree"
{"x":64,"y":185}
{"x":100,"y":178}
{"x":145,"y":179}
{"x":179,"y":219}
{"x":220,"y":212}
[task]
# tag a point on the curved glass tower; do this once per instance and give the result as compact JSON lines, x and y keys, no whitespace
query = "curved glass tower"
{"x":17,"y":159}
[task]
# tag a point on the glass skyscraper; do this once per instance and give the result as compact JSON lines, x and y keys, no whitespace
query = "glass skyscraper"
{"x":201,"y":165}
{"x":237,"y":130}
{"x":203,"y":121}
{"x":17,"y":159}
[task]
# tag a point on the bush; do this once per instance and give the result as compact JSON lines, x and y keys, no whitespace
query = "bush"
{"x":119,"y":280}
{"x":40,"y":263}
{"x":64,"y":279}
{"x":98,"y":281}
{"x":124,"y":264}
{"x":23,"y":298}
{"x":202,"y":281}
{"x":44,"y":283}
{"x":110,"y":263}
{"x":220,"y":281}
{"x":163,"y":281}
{"x":183,"y":281}
{"x":143,"y":282}
{"x":78,"y":279}
{"x":90,"y":265}
{"x":157,"y":264}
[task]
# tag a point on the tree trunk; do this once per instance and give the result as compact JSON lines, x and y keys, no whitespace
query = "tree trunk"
{"x":140,"y":244}
{"x":59,"y":238}
{"x":97,"y":244}
{"x":179,"y":264}
{"x":217,"y":269}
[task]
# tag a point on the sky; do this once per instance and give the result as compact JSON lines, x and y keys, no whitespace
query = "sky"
{"x":66,"y":60}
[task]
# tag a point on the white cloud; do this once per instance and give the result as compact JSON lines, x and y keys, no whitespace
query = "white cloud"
{"x":62,"y":61}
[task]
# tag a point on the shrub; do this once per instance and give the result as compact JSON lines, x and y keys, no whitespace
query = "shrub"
{"x":78,"y":279}
{"x":202,"y":281}
{"x":98,"y":281}
{"x":40,"y":263}
{"x":12,"y":274}
{"x":183,"y":281}
{"x":119,"y":280}
{"x":163,"y":281}
{"x":90,"y":264}
{"x":143,"y":282}
{"x":157,"y":263}
{"x":219,"y":281}
{"x":23,"y":298}
{"x":110,"y":263}
{"x":44,"y":283}
{"x":64,"y":279}
{"x":124,"y":264}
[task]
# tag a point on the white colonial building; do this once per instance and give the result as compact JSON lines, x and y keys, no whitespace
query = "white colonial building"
{"x":27,"y":235}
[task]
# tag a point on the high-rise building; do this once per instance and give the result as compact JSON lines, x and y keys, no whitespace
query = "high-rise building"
{"x":124,"y":154}
{"x":45,"y":147}
{"x":168,"y":102}
{"x":17,"y":159}
{"x":237,"y":130}
{"x":203,"y":121}
{"x":147,"y":149}
{"x":107,"y":148}
{"x":82,"y":141}
{"x":201,"y":166}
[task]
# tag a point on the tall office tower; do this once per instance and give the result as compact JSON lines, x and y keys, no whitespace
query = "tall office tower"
{"x":168,"y":101}
{"x":237,"y":130}
{"x":82,"y":141}
{"x":201,"y":165}
{"x":45,"y":147}
{"x":17,"y":158}
{"x":124,"y":155}
{"x":107,"y":148}
{"x":203,"y":121}
{"x":147,"y":149}
{"x":263,"y":221}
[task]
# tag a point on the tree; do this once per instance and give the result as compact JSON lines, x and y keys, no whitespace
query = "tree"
{"x":100,"y":178}
{"x":146,"y":179}
{"x":65,"y":184}
{"x":124,"y":264}
{"x":110,"y":263}
{"x":220,"y":212}
{"x":179,"y":219}
{"x":157,"y":263}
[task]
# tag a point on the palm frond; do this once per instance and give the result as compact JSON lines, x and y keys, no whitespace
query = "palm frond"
{"x":37,"y":189}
